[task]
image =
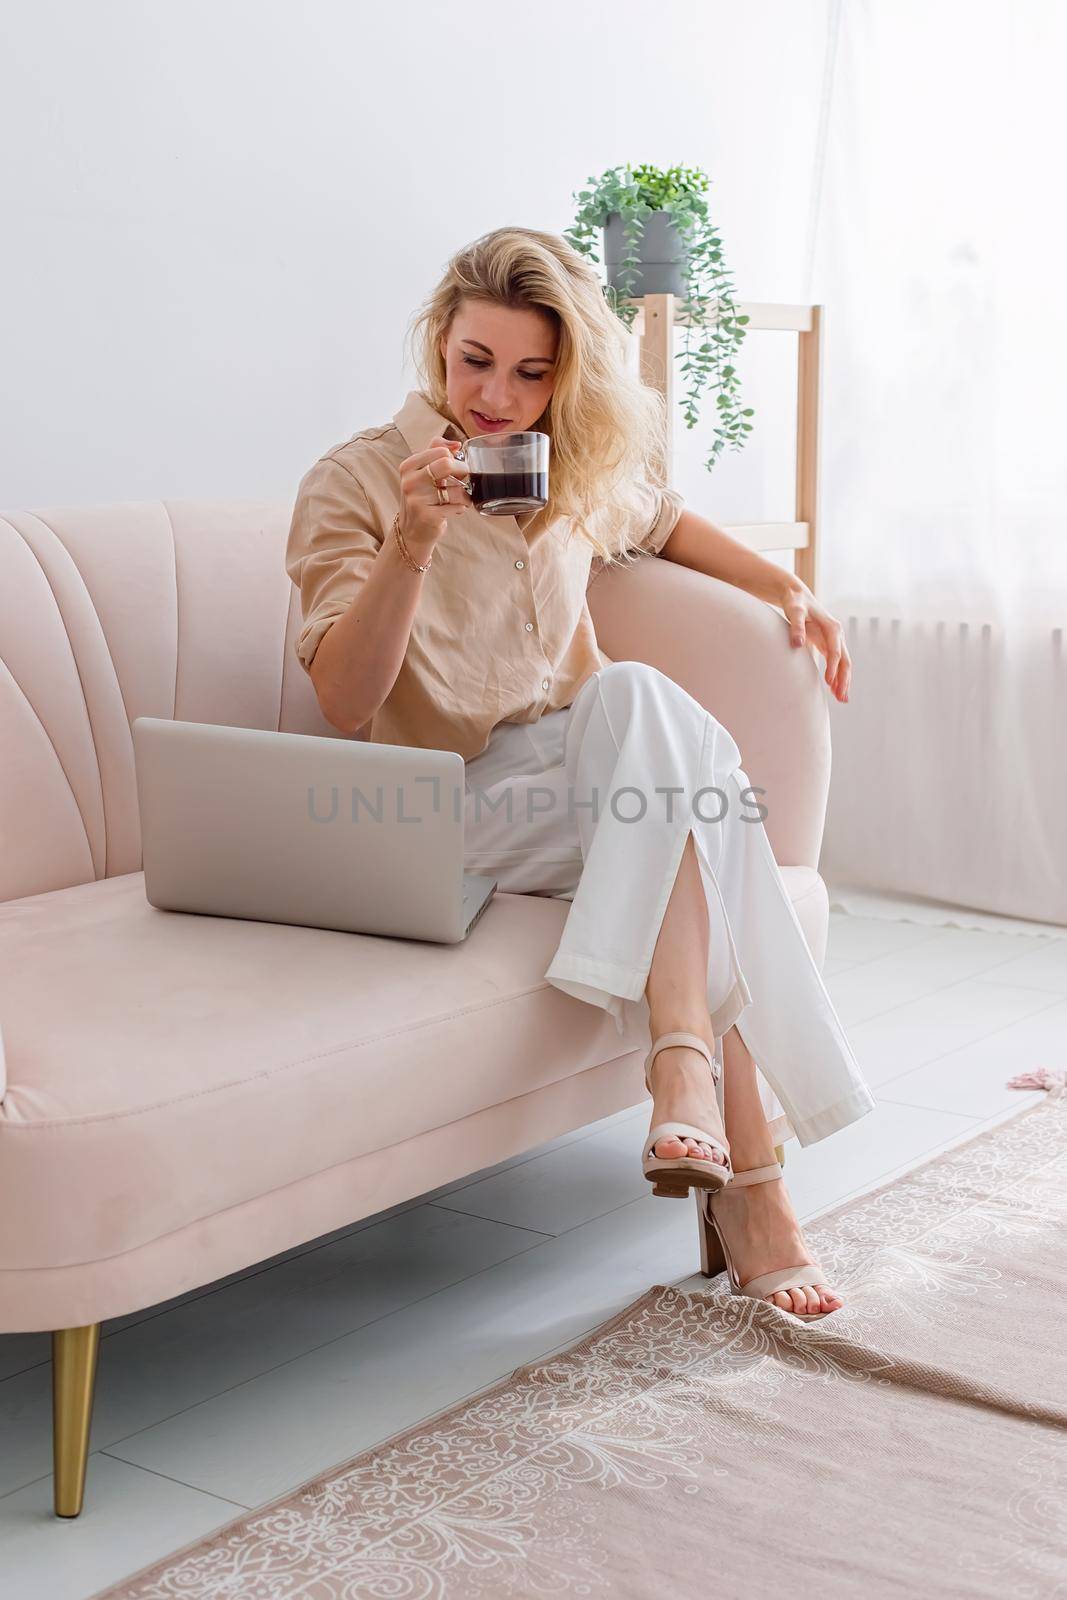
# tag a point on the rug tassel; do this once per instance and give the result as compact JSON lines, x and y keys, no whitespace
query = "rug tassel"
{"x":1043,"y":1078}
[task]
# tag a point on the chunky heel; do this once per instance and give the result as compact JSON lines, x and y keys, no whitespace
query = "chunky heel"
{"x":712,"y":1260}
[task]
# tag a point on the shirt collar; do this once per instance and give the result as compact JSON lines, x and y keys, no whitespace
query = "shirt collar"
{"x":419,"y":422}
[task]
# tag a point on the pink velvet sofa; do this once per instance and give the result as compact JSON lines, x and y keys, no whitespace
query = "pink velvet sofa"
{"x":182,"y":1096}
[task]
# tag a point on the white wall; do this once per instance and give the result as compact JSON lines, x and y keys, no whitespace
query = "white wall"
{"x":218,"y":218}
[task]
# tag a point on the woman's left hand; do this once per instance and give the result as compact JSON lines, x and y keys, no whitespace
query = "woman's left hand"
{"x":811,"y":623}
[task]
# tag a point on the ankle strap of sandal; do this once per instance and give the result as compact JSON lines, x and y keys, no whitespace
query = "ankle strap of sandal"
{"x":759,"y":1174}
{"x":693,"y":1040}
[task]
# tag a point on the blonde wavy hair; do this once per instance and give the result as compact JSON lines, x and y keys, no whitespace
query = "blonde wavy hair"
{"x":607,"y":428}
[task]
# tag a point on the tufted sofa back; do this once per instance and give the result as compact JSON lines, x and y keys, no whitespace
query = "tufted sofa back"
{"x":184,"y":609}
{"x":164,"y":609}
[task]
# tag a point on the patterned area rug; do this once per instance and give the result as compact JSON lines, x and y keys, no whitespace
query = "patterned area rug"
{"x":913,"y":1443}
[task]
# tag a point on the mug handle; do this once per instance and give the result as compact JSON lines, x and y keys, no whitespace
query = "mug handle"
{"x":465,"y":482}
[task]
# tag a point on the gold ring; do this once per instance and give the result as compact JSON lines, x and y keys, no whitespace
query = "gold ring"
{"x":442,"y":496}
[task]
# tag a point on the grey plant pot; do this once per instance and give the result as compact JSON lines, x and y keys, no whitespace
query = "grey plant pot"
{"x":661,"y":249}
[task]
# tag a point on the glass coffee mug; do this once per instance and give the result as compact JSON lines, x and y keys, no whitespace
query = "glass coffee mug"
{"x":508,"y":472}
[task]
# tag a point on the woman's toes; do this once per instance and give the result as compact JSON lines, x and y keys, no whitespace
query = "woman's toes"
{"x":673,"y":1149}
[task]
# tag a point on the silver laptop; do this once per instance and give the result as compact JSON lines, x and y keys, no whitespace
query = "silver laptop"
{"x":292,"y":827}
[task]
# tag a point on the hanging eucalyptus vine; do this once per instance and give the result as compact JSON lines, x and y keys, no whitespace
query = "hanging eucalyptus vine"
{"x":710,"y":346}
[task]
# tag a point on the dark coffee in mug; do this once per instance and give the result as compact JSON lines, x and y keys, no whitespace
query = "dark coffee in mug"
{"x":509,"y":494}
{"x":508,"y":472}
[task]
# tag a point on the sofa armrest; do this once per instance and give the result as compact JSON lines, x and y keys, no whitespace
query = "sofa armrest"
{"x":731,"y":652}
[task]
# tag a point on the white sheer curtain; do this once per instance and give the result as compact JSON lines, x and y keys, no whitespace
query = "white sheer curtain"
{"x":940,"y":253}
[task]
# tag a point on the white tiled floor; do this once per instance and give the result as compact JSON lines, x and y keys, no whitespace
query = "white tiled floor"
{"x":228,"y":1396}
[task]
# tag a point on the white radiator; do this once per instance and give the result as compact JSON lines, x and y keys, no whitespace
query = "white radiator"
{"x":949,"y":775}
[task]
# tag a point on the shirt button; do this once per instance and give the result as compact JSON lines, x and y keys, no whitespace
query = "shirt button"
{"x":529,"y":627}
{"x":544,"y":683}
{"x":520,"y":564}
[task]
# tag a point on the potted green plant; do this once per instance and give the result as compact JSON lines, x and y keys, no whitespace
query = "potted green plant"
{"x":660,"y":239}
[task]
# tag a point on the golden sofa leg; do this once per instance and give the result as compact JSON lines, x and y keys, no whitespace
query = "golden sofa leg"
{"x":74,"y":1352}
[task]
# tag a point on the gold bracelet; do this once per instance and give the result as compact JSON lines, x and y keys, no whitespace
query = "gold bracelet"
{"x":405,"y":553}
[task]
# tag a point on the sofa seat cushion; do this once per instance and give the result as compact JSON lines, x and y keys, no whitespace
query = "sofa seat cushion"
{"x":163,"y":1066}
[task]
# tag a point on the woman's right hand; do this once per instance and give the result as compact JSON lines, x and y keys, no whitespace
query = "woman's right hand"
{"x":423,"y":518}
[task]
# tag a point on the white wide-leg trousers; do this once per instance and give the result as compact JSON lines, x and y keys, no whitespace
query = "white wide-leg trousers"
{"x":593,"y":804}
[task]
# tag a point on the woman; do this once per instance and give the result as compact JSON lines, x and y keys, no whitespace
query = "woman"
{"x":448,"y":630}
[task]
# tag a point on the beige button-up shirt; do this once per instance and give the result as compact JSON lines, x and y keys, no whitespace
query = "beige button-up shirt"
{"x":502,"y":632}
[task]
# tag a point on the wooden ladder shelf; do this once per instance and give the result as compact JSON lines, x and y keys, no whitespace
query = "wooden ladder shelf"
{"x":657,"y":318}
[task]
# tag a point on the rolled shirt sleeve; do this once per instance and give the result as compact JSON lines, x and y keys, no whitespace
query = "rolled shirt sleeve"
{"x":653,"y":515}
{"x":657,"y":512}
{"x":334,"y":538}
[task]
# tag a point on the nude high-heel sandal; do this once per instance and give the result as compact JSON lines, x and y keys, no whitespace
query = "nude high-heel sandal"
{"x":674,"y":1177}
{"x":715,"y":1252}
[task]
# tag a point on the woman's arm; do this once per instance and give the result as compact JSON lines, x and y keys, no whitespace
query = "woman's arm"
{"x":696,"y":542}
{"x":360,"y":655}
{"x":358,"y":595}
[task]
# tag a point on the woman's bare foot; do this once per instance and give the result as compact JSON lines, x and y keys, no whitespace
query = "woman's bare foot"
{"x":764,"y":1235}
{"x":683,"y":1091}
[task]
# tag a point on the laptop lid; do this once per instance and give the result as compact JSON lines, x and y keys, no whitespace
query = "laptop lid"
{"x":299,"y":828}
